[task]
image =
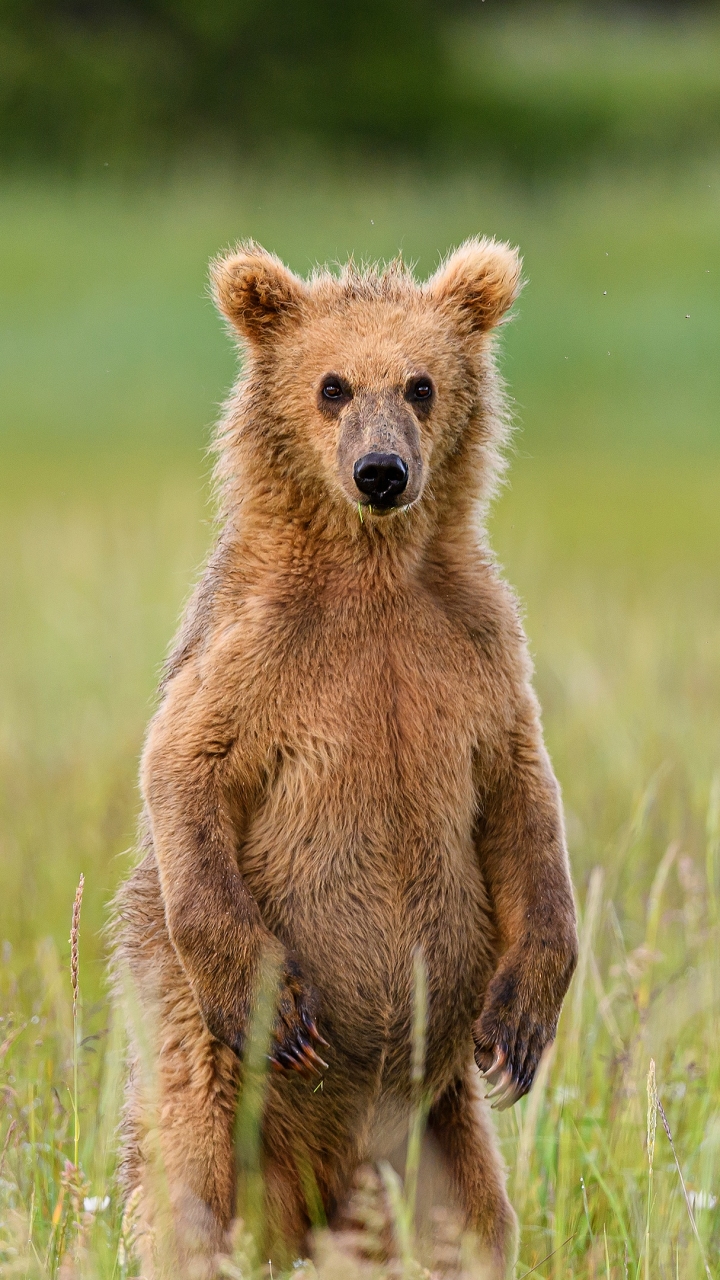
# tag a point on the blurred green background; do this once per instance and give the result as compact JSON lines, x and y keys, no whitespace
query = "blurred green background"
{"x":134,"y":82}
{"x":139,"y":137}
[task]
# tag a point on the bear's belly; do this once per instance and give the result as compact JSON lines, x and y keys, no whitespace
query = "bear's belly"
{"x":356,"y":896}
{"x":361,"y":850}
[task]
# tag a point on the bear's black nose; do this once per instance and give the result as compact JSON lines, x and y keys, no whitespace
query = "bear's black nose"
{"x":381,"y":477}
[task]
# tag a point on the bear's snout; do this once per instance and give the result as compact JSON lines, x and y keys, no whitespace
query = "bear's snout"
{"x":381,"y":477}
{"x":379,"y":452}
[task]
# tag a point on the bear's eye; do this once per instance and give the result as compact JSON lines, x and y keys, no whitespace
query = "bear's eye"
{"x":333,"y":394}
{"x":332,"y":389}
{"x":420,"y":389}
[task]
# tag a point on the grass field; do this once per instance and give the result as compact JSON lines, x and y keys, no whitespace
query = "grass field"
{"x":112,"y":367}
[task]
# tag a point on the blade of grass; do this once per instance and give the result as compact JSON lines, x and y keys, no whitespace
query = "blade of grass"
{"x":653,"y":920}
{"x":248,"y":1123}
{"x":566,"y":1172}
{"x":688,"y":1205}
{"x":713,"y":847}
{"x":611,"y":1197}
{"x":652,"y":1102}
{"x":402,"y":1227}
{"x":421,"y":1102}
{"x":528,"y":1132}
{"x":547,"y":1258}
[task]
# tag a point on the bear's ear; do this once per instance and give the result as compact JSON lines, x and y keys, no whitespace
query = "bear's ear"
{"x":477,"y":284}
{"x":255,"y":291}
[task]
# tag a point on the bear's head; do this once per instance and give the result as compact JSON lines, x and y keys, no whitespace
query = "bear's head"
{"x":364,"y":384}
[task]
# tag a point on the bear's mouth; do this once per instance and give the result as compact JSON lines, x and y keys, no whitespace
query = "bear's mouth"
{"x":382,"y":506}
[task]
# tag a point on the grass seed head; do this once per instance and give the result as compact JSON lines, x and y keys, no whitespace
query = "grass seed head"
{"x":74,"y":944}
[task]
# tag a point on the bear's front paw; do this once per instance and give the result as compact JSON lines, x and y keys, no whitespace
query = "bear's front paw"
{"x":509,"y":1043}
{"x":296,"y":1028}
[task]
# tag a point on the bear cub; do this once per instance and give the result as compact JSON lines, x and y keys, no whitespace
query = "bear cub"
{"x":346,"y":771}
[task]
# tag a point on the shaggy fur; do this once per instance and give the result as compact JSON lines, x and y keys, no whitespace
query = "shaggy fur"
{"x":347,"y":765}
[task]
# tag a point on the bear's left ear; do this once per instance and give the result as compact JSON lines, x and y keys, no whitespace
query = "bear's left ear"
{"x":255,"y":291}
{"x":477,"y":284}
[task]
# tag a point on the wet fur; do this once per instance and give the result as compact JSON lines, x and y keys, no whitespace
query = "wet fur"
{"x":346,"y":764}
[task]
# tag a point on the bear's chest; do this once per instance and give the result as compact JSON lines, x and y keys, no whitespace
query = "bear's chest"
{"x":371,"y":721}
{"x":360,"y":689}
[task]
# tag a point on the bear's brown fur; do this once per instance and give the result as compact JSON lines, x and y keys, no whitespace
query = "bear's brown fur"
{"x":346,"y":765}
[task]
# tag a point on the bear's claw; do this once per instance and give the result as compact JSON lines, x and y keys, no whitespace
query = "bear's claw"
{"x":312,"y":1028}
{"x":296,"y":1029}
{"x":297,"y":1056}
{"x":505,"y":1089}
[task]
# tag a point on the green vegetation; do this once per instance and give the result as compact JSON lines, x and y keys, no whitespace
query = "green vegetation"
{"x":553,"y":86}
{"x":112,"y":369}
{"x":537,"y":85}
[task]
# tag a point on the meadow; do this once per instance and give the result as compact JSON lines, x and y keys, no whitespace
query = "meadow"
{"x":113,"y":366}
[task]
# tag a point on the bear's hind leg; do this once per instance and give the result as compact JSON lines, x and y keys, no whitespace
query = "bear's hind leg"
{"x":185,"y":1119}
{"x":461,"y":1127}
{"x":178,"y":1162}
{"x":307,"y":1162}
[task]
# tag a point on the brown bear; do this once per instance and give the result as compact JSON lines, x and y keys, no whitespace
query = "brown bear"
{"x":346,"y":766}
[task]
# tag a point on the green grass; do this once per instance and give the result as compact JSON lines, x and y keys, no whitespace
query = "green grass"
{"x":610,"y":529}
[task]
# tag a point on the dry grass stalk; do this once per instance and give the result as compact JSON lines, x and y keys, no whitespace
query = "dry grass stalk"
{"x":75,"y":980}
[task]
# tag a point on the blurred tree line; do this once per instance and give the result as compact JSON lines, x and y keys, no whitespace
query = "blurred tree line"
{"x":535,"y":85}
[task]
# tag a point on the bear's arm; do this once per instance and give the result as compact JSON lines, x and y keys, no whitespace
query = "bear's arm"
{"x":201,"y":774}
{"x":521,"y":846}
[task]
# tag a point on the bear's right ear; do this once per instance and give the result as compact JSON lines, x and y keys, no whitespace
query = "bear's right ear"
{"x":255,"y":291}
{"x":477,"y":284}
